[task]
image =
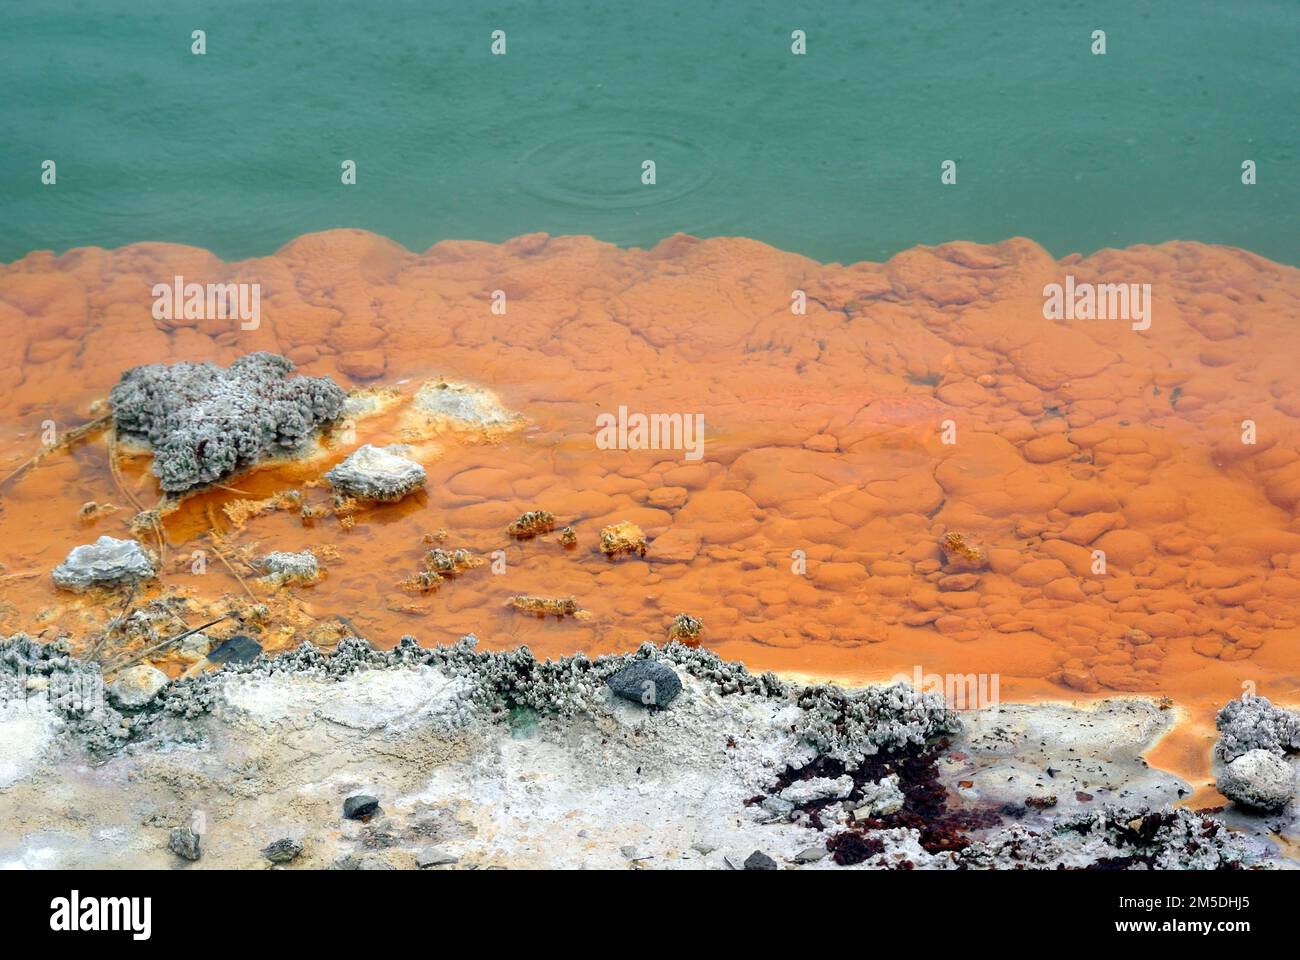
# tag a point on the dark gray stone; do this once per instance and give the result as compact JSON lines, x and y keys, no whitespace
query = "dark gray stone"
{"x":184,"y":842}
{"x":237,"y":649}
{"x":361,"y":806}
{"x":282,"y":850}
{"x":758,"y":860}
{"x":647,"y":682}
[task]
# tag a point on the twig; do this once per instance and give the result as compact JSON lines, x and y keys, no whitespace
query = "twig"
{"x":69,"y":438}
{"x":116,"y":471}
{"x":22,"y":575}
{"x":113,"y":624}
{"x":214,"y":534}
{"x":165,"y":643}
{"x":233,"y":572}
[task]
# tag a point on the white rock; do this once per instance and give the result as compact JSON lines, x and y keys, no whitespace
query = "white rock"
{"x":136,"y":686}
{"x":1259,"y":780}
{"x":377,"y":473}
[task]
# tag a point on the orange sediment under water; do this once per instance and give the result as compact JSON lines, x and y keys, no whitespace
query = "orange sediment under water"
{"x":823,"y":453}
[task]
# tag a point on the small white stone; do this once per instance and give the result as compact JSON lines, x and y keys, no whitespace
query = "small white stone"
{"x":377,"y":473}
{"x":136,"y":686}
{"x":1259,"y":780}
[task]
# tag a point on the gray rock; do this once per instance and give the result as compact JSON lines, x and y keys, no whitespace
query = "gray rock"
{"x":758,"y":860}
{"x":136,"y":686}
{"x":361,"y":806}
{"x":236,"y":649}
{"x":299,"y":566}
{"x":184,"y":842}
{"x":204,"y":422}
{"x":703,"y":849}
{"x":433,"y":857}
{"x":646,"y":682}
{"x":377,"y":473}
{"x":777,"y":806}
{"x":104,"y":563}
{"x":282,"y":850}
{"x":1259,"y":780}
{"x":282,"y":567}
{"x":195,"y":647}
{"x":810,"y":855}
{"x":1253,"y":723}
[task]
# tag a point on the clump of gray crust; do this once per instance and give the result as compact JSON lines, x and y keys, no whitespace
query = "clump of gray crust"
{"x":502,"y":681}
{"x":1116,"y":837}
{"x":204,"y":422}
{"x":283,"y":567}
{"x":1253,"y":723}
{"x":848,"y":726}
{"x":74,"y":690}
{"x":107,"y":562}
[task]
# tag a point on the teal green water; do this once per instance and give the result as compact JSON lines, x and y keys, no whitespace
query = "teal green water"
{"x":835,"y":154}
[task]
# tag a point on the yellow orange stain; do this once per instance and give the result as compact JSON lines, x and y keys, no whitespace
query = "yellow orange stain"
{"x":809,"y":537}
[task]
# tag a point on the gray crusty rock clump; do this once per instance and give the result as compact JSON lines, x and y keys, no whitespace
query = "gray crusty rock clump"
{"x":75,"y":690}
{"x":1253,"y":723}
{"x":204,"y":422}
{"x":1114,"y":837}
{"x":108,"y":562}
{"x":848,"y":725}
{"x":283,"y":567}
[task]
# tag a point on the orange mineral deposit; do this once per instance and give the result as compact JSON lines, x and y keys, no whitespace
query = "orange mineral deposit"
{"x":924,"y":470}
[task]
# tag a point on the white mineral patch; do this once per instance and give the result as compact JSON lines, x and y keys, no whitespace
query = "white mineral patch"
{"x":462,"y":405}
{"x":368,"y":700}
{"x":27,"y":731}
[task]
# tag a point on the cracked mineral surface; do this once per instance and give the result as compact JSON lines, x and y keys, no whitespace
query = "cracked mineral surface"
{"x":828,"y":531}
{"x":470,"y":758}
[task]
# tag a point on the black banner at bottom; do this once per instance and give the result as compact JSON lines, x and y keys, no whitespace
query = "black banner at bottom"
{"x":337,"y":908}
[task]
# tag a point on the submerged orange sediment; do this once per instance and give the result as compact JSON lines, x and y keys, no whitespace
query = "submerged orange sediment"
{"x":810,"y":536}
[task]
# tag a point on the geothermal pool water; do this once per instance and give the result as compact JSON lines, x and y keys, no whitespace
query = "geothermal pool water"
{"x":809,"y":536}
